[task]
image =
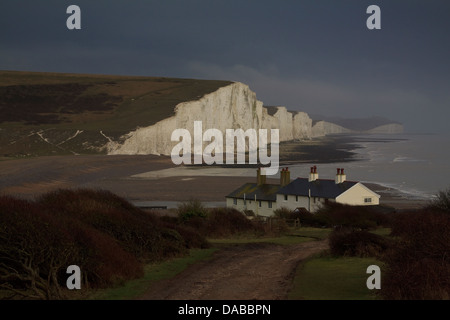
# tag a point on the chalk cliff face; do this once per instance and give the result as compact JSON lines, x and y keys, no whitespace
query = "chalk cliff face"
{"x":392,"y":128}
{"x":231,"y":107}
{"x":323,"y":128}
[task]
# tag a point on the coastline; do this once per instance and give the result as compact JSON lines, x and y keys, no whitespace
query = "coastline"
{"x":156,"y":179}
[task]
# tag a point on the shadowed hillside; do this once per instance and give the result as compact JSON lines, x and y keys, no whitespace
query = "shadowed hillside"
{"x":53,"y":113}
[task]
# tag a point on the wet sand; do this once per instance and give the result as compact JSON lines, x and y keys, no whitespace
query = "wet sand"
{"x":156,"y":178}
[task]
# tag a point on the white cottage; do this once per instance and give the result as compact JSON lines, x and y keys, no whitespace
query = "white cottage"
{"x":259,"y":197}
{"x":308,"y":193}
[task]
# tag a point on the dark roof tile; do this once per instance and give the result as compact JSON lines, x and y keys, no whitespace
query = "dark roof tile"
{"x":320,"y":188}
{"x":266,"y":192}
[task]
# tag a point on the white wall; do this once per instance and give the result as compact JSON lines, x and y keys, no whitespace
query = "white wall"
{"x":294,"y":202}
{"x":355,"y":196}
{"x":253,"y":205}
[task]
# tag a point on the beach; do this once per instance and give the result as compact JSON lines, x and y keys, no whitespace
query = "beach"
{"x":155,"y":180}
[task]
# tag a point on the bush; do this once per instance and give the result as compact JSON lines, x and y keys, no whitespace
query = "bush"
{"x":357,"y":244}
{"x":107,"y":237}
{"x":419,"y":266}
{"x":442,"y":202}
{"x":136,"y":231}
{"x":284,"y":213}
{"x":359,"y":217}
{"x":191,"y":237}
{"x":317,"y":220}
{"x":37,"y":247}
{"x":191,"y":209}
{"x":221,"y":222}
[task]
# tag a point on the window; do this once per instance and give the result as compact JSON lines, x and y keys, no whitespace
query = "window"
{"x":234,"y":201}
{"x":296,"y":198}
{"x":285,"y":197}
{"x":367,"y":200}
{"x":260,"y":204}
{"x":270,"y":204}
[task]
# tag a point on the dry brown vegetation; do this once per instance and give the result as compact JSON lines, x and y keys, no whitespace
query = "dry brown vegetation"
{"x":416,"y":255}
{"x":418,"y":266}
{"x":109,"y":239}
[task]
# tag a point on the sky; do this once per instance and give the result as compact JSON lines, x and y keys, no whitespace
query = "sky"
{"x":316,"y":56}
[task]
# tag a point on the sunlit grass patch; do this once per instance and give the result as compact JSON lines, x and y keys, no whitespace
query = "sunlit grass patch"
{"x":330,"y":278}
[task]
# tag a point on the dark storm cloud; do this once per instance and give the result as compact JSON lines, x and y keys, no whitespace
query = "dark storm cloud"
{"x":315,"y":56}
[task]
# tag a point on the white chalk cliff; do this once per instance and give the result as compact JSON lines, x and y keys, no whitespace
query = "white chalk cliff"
{"x":323,"y":128}
{"x":391,"y":128}
{"x":231,"y":107}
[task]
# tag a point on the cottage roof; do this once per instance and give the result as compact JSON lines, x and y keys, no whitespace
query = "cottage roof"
{"x":321,"y":188}
{"x":265,"y":192}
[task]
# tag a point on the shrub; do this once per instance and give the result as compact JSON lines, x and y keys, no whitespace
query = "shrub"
{"x":318,"y":220}
{"x":357,"y":243}
{"x":27,"y":245}
{"x":136,"y":231}
{"x":107,"y":237}
{"x":283,"y":212}
{"x":224,"y":222}
{"x":442,"y":202}
{"x":360,"y":217}
{"x":191,"y":237}
{"x":192,"y":208}
{"x":221,"y":222}
{"x":38,"y":246}
{"x":419,"y":265}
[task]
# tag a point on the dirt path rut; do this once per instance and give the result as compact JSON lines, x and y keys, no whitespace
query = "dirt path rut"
{"x":242,"y":272}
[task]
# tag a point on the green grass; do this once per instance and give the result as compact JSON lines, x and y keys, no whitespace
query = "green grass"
{"x":330,"y":278}
{"x":316,"y":233}
{"x":283,"y":240}
{"x":294,"y":236}
{"x":153,"y":273}
{"x":385,"y":232}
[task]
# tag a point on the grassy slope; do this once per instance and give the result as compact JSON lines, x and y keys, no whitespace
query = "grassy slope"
{"x":153,"y":273}
{"x":331,"y":278}
{"x":61,"y":104}
{"x":324,"y":277}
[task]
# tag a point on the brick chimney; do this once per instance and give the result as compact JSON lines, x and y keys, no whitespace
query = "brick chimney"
{"x":260,"y":177}
{"x":343,"y":176}
{"x":285,"y":177}
{"x":340,"y":176}
{"x":313,"y":175}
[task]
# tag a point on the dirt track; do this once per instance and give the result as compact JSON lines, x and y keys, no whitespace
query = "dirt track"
{"x":242,"y":272}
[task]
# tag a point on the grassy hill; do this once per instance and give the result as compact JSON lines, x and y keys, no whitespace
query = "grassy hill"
{"x":56,"y":113}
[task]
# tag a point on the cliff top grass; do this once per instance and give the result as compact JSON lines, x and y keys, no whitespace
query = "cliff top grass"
{"x":90,"y":102}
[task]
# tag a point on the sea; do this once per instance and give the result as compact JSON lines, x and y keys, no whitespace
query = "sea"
{"x":417,"y":165}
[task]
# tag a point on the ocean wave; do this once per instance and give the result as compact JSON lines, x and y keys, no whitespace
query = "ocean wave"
{"x":407,"y":159}
{"x":404,"y":191}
